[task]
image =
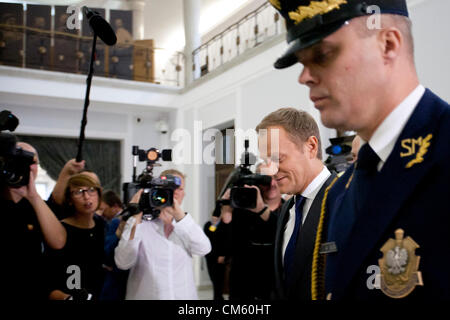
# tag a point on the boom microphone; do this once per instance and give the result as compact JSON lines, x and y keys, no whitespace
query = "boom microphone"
{"x":100,"y":26}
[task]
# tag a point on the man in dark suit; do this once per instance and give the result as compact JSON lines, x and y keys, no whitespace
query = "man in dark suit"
{"x":289,"y":142}
{"x":384,"y":222}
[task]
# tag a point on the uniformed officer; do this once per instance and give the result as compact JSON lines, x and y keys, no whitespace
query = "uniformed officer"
{"x":384,"y":224}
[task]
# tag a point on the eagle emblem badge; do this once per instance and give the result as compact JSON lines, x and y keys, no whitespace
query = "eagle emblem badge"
{"x":399,"y":266}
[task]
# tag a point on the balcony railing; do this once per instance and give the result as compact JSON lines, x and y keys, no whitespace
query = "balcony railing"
{"x":27,"y":47}
{"x":256,"y":27}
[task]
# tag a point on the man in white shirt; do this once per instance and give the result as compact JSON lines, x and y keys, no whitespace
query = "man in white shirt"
{"x":382,"y":222}
{"x":298,"y":169}
{"x":159,"y":252}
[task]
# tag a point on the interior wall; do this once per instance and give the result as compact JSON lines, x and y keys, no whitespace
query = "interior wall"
{"x":432,"y":45}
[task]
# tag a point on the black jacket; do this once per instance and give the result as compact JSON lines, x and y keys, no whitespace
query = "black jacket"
{"x":300,"y":288}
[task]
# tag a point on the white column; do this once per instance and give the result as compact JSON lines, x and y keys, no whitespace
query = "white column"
{"x":191,"y":15}
{"x":116,"y":5}
{"x":138,"y":19}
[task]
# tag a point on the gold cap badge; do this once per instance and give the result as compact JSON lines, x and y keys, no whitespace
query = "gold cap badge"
{"x":276,"y":4}
{"x":314,"y":8}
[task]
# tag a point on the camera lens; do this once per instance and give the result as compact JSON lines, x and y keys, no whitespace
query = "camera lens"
{"x":10,"y":174}
{"x":159,"y":197}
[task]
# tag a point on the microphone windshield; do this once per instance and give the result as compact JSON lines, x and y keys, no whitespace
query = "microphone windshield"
{"x":100,"y":26}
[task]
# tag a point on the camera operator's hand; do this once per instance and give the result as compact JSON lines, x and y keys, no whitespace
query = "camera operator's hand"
{"x":128,"y":229}
{"x":226,"y":211}
{"x":174,"y":211}
{"x":70,"y":168}
{"x":76,"y":295}
{"x":120,"y":228}
{"x":260,"y":204}
{"x":137,"y":196}
{"x":137,"y":219}
{"x":54,"y":233}
{"x":29,"y":191}
{"x":259,"y":200}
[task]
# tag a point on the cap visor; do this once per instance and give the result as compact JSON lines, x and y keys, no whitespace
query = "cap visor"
{"x":288,"y":58}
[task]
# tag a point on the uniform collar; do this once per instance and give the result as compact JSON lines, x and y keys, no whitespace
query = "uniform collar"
{"x":385,"y":136}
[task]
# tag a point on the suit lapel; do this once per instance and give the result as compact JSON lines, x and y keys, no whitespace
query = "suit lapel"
{"x":387,"y":198}
{"x":307,"y":236}
{"x":281,"y":224}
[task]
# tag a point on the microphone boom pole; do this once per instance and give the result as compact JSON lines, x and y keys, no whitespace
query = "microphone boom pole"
{"x":86,"y":100}
{"x":101,"y":28}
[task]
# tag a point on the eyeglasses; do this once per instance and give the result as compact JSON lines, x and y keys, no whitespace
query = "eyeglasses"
{"x":79,"y":192}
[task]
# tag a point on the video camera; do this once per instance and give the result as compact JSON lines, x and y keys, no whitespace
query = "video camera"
{"x":339,"y":152}
{"x":242,"y":197}
{"x":14,"y":161}
{"x":158,"y":192}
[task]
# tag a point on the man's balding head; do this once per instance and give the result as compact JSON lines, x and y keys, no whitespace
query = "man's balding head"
{"x":27,"y":147}
{"x":390,"y":21}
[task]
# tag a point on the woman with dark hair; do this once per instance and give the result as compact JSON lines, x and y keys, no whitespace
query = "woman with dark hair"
{"x":76,"y":270}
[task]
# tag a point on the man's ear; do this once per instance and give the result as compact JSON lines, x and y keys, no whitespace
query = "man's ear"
{"x":390,"y":40}
{"x":312,"y":147}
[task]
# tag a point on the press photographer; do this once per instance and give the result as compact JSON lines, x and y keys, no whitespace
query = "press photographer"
{"x":237,"y":185}
{"x":157,"y":244}
{"x":28,"y":221}
{"x":157,"y":192}
{"x":250,"y":242}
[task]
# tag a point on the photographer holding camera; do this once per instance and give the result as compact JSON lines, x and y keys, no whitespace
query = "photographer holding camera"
{"x":159,"y":252}
{"x":251,"y":242}
{"x":28,"y":223}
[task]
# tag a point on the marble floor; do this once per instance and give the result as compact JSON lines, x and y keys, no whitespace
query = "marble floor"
{"x":206,"y":293}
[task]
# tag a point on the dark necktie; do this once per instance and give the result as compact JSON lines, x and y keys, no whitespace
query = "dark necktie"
{"x":289,"y":254}
{"x":343,"y":219}
{"x":365,"y":172}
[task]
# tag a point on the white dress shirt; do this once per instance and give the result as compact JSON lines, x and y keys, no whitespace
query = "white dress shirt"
{"x":161,"y":268}
{"x":385,"y":136}
{"x":309,"y":194}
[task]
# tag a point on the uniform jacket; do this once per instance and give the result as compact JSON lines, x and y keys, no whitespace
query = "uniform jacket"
{"x":411,"y":192}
